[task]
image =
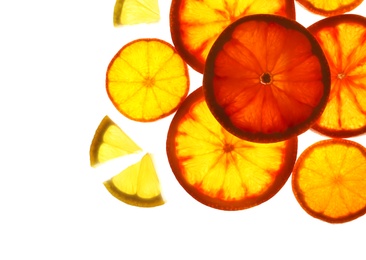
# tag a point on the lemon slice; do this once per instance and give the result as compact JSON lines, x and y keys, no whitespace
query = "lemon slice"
{"x":110,"y":142}
{"x":128,"y":12}
{"x":137,"y":185}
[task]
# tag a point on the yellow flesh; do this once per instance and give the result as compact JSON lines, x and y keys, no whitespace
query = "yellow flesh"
{"x":220,"y":164}
{"x":137,"y":185}
{"x":110,"y":142}
{"x":128,"y":12}
{"x":147,"y":80}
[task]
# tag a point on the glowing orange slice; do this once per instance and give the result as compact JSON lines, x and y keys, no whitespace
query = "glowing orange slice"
{"x":217,"y":168}
{"x":343,"y":39}
{"x":329,"y":7}
{"x":129,"y":12}
{"x":329,"y":180}
{"x":266,"y":78}
{"x":195,"y":25}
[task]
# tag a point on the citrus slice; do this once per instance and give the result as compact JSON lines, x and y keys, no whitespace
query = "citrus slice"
{"x":329,"y":7}
{"x":343,"y":38}
{"x":137,"y":185}
{"x":129,"y":12}
{"x":329,"y":180}
{"x":217,"y":168}
{"x":147,"y":80}
{"x":266,"y":78}
{"x":110,"y":142}
{"x":195,"y":25}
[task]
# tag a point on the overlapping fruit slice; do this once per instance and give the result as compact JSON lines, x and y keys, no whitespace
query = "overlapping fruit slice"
{"x":329,"y":180}
{"x":129,"y":12}
{"x":147,"y":80}
{"x":195,"y":25}
{"x":137,"y":185}
{"x":217,"y":168}
{"x":110,"y":142}
{"x":266,"y":78}
{"x":329,"y":7}
{"x":343,"y":39}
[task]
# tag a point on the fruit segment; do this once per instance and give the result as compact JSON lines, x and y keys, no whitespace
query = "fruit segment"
{"x":137,"y":185}
{"x":329,"y":7}
{"x":129,"y":12}
{"x":110,"y":142}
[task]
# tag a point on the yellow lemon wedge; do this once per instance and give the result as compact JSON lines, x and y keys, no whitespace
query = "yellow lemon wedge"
{"x":129,"y":12}
{"x":137,"y":185}
{"x":110,"y":142}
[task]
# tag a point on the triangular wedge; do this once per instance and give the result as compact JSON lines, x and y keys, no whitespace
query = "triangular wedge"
{"x":137,"y":185}
{"x":128,"y":12}
{"x":110,"y":142}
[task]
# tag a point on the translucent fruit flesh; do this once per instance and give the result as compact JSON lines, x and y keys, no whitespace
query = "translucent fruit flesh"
{"x":343,"y":39}
{"x":147,"y":80}
{"x":266,"y":79}
{"x":129,"y":12}
{"x":195,"y":25}
{"x":219,"y":169}
{"x":329,"y":7}
{"x":137,"y":185}
{"x":329,"y":180}
{"x":110,"y":142}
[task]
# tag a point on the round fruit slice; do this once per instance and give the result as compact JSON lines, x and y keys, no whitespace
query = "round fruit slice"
{"x":329,"y":7}
{"x":147,"y":80}
{"x":217,"y":168}
{"x":137,"y":185}
{"x":329,"y":180}
{"x":128,"y":12}
{"x":110,"y":142}
{"x":343,"y":39}
{"x":266,"y":78}
{"x":195,"y":25}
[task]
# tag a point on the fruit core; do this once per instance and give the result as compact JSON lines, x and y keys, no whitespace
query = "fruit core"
{"x":341,"y":75}
{"x":228,"y":148}
{"x":266,"y":78}
{"x":149,"y":82}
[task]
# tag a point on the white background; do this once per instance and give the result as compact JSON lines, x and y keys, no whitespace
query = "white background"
{"x":53,"y":205}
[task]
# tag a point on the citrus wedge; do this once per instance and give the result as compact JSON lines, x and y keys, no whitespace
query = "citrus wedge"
{"x":137,"y":185}
{"x":343,"y":39}
{"x":110,"y":142}
{"x":329,"y":180}
{"x":129,"y":12}
{"x":266,"y":78}
{"x":195,"y":25}
{"x":147,"y":80}
{"x":217,"y":168}
{"x":329,"y":7}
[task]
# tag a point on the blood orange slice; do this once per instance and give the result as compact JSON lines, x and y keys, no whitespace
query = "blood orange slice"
{"x":266,"y":78}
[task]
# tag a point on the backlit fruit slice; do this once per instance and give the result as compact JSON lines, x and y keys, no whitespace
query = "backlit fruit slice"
{"x":137,"y":185}
{"x":110,"y":142}
{"x":195,"y":25}
{"x":147,"y":80}
{"x":266,"y":78}
{"x":343,"y":39}
{"x":129,"y":12}
{"x":329,"y":180}
{"x":329,"y":7}
{"x":217,"y":168}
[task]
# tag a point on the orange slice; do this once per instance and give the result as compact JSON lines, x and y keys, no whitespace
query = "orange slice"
{"x":195,"y":25}
{"x":329,"y":180}
{"x":110,"y":142}
{"x":217,"y":168}
{"x":147,"y":80}
{"x":128,"y":12}
{"x":343,"y":39}
{"x":329,"y":7}
{"x":266,"y":78}
{"x":137,"y":185}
